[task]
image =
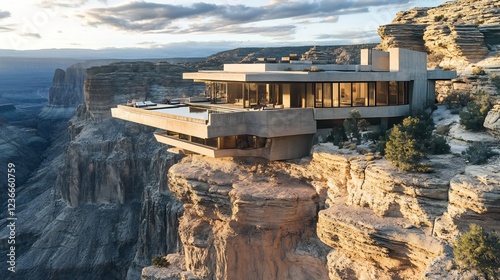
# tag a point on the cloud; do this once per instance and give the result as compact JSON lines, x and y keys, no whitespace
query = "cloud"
{"x":6,"y":29}
{"x":32,"y":35}
{"x":63,"y":3}
{"x":203,"y":17}
{"x":352,"y":37}
{"x":4,"y":14}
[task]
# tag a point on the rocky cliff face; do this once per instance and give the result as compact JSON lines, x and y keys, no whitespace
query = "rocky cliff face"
{"x":98,"y":205}
{"x":67,"y":86}
{"x":336,"y":215}
{"x":118,"y":83}
{"x":455,"y":30}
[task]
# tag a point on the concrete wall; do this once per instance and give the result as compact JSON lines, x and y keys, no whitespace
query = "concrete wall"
{"x":296,"y":146}
{"x":407,"y":60}
{"x":380,"y":60}
{"x":267,"y":123}
{"x":366,"y":112}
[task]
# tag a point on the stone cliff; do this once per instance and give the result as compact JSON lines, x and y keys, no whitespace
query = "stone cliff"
{"x":455,"y":30}
{"x":117,"y":83}
{"x":336,"y":215}
{"x":98,"y":204}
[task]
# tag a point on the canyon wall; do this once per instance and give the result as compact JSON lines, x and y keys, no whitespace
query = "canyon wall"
{"x":98,"y":206}
{"x":456,"y":30}
{"x":336,"y":215}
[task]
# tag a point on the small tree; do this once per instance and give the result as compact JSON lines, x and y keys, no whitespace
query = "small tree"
{"x":480,"y":250}
{"x":353,"y":125}
{"x":473,"y":117}
{"x":402,"y":148}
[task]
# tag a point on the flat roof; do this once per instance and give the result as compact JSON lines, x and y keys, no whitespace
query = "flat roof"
{"x":298,"y":76}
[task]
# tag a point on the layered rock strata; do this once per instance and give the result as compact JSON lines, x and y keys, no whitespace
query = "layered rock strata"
{"x":460,"y":29}
{"x":249,"y":219}
{"x":492,"y":121}
{"x":127,"y":81}
{"x":244,"y":221}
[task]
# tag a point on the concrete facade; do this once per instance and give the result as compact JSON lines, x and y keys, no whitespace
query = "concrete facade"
{"x":386,"y":85}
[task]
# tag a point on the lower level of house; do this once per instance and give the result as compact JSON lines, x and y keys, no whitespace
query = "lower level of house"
{"x":218,"y":130}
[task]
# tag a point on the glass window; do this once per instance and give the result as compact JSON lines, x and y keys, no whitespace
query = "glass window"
{"x":327,"y":95}
{"x":319,"y":95}
{"x":382,"y":95}
{"x":345,"y":94}
{"x":360,"y":94}
{"x":309,"y":95}
{"x":336,"y":94}
{"x":393,"y":93}
{"x":371,"y":94}
{"x":403,"y":93}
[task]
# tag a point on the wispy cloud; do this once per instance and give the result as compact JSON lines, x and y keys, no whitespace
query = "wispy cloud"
{"x":203,"y":17}
{"x":353,"y":36}
{"x":63,"y":3}
{"x":4,"y":14}
{"x":32,"y":35}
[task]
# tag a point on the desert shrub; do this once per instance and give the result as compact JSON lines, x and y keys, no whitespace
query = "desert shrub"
{"x":402,"y":148}
{"x":438,"y":18}
{"x":438,"y":145}
{"x":160,"y":261}
{"x":377,"y":134}
{"x":337,"y":136}
{"x":478,"y":153}
{"x":478,"y":70}
{"x":353,"y":125}
{"x":473,"y":117}
{"x":495,"y":80}
{"x":456,"y":100}
{"x":479,"y":250}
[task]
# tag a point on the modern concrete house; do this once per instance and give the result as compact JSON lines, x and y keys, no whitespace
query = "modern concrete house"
{"x":273,"y":110}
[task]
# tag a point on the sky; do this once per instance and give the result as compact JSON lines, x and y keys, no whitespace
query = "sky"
{"x":153,"y":24}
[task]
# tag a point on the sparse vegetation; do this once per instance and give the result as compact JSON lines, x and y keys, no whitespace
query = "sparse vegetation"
{"x":456,"y":100}
{"x":478,"y":70}
{"x":410,"y":141}
{"x":478,"y":153}
{"x":473,"y":117}
{"x":403,"y":149}
{"x":479,"y":250}
{"x":353,"y":125}
{"x":495,"y":80}
{"x":439,"y":18}
{"x":160,"y":261}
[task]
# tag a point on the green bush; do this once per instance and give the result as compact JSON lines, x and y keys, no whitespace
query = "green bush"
{"x":495,"y":80}
{"x":438,"y":145}
{"x":353,"y":125}
{"x":480,"y":250}
{"x":478,"y":153}
{"x":160,"y":261}
{"x":403,"y":149}
{"x":456,"y":100}
{"x":473,"y":117}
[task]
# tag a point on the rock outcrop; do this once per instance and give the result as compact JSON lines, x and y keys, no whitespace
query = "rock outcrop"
{"x":249,"y":219}
{"x":245,"y":220}
{"x":492,"y":121}
{"x":455,"y":30}
{"x":118,"y":83}
{"x":67,"y":86}
{"x":98,"y":205}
